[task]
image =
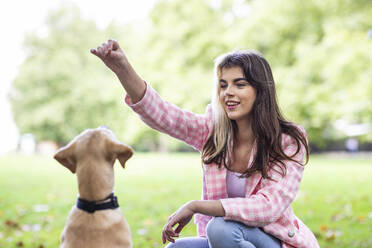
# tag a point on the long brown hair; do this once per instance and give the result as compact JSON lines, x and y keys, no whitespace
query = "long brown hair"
{"x":268,"y":123}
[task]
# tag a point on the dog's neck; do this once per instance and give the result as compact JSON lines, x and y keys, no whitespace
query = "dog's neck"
{"x":95,"y":181}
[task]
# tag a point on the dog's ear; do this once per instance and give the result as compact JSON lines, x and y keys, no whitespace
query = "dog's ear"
{"x":122,"y":151}
{"x":65,"y":156}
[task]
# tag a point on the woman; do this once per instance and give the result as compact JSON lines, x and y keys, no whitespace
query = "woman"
{"x":253,"y":158}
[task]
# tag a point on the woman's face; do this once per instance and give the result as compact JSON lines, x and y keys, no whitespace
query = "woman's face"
{"x":236,"y":94}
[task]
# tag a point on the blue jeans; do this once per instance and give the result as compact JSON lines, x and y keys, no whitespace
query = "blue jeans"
{"x":229,"y":234}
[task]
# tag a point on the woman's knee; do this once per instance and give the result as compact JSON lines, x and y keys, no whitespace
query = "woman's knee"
{"x":176,"y":244}
{"x":220,"y":231}
{"x":215,"y":226}
{"x":171,"y":245}
{"x":223,"y":233}
{"x":190,"y":242}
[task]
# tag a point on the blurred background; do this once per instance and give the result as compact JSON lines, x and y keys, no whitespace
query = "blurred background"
{"x":52,"y":88}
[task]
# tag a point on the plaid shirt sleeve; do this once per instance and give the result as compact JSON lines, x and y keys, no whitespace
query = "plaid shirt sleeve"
{"x":273,"y":197}
{"x":170,"y":119}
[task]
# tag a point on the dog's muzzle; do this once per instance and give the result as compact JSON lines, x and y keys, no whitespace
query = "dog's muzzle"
{"x":110,"y":202}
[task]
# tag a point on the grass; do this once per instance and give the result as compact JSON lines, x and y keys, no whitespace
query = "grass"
{"x":36,"y":194}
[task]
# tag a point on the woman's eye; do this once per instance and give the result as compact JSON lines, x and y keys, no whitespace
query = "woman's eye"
{"x":240,"y":85}
{"x":223,"y":86}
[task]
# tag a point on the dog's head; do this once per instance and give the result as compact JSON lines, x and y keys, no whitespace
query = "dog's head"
{"x":97,"y":144}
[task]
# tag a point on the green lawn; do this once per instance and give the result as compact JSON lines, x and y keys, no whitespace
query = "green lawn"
{"x":36,"y":194}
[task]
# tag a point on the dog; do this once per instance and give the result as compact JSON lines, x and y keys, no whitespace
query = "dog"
{"x":96,"y":220}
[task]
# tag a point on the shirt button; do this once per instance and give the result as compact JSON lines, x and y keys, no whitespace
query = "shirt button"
{"x":291,"y":233}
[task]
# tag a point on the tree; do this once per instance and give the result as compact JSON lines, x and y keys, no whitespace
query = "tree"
{"x":61,"y":89}
{"x":320,"y":58}
{"x":319,"y":52}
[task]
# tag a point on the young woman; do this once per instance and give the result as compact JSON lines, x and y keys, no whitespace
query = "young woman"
{"x":253,"y":158}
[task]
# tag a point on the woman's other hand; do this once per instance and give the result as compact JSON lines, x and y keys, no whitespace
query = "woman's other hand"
{"x":181,"y":217}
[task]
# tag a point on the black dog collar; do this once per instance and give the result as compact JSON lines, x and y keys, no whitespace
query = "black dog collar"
{"x":92,"y":206}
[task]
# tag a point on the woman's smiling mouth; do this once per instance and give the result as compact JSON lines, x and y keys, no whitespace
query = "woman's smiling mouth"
{"x":231,"y":105}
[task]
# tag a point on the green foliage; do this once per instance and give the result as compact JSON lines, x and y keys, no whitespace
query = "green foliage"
{"x":61,"y":89}
{"x":46,"y":86}
{"x":153,"y":186}
{"x":319,"y":52}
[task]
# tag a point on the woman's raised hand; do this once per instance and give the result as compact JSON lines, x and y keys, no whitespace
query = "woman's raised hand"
{"x":111,"y":54}
{"x":114,"y":58}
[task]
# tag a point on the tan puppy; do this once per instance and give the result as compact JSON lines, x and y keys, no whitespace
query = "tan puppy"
{"x":91,"y":155}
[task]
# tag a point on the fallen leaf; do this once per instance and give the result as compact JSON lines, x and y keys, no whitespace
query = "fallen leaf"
{"x":323,"y":228}
{"x":20,"y":244}
{"x":11,"y":224}
{"x":362,"y":218}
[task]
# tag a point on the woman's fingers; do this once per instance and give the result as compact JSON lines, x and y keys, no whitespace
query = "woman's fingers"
{"x":169,"y":237}
{"x":105,"y":49}
{"x":166,"y":236}
{"x":113,"y":44}
{"x":168,"y":233}
{"x":99,"y":51}
{"x":179,"y":228}
{"x":109,"y":45}
{"x":180,"y":218}
{"x":171,"y":232}
{"x":112,"y":56}
{"x":163,"y":238}
{"x":94,"y":51}
{"x":103,"y":46}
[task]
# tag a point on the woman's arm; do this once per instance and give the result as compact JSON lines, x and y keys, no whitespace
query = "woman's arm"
{"x":114,"y":58}
{"x":207,"y":207}
{"x":146,"y":102}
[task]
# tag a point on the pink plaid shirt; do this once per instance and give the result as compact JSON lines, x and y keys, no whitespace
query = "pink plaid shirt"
{"x":267,"y":202}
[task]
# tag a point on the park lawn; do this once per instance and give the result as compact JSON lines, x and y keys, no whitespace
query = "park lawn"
{"x":36,"y":194}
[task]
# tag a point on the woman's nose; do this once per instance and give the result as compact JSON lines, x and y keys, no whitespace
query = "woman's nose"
{"x":229,"y":91}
